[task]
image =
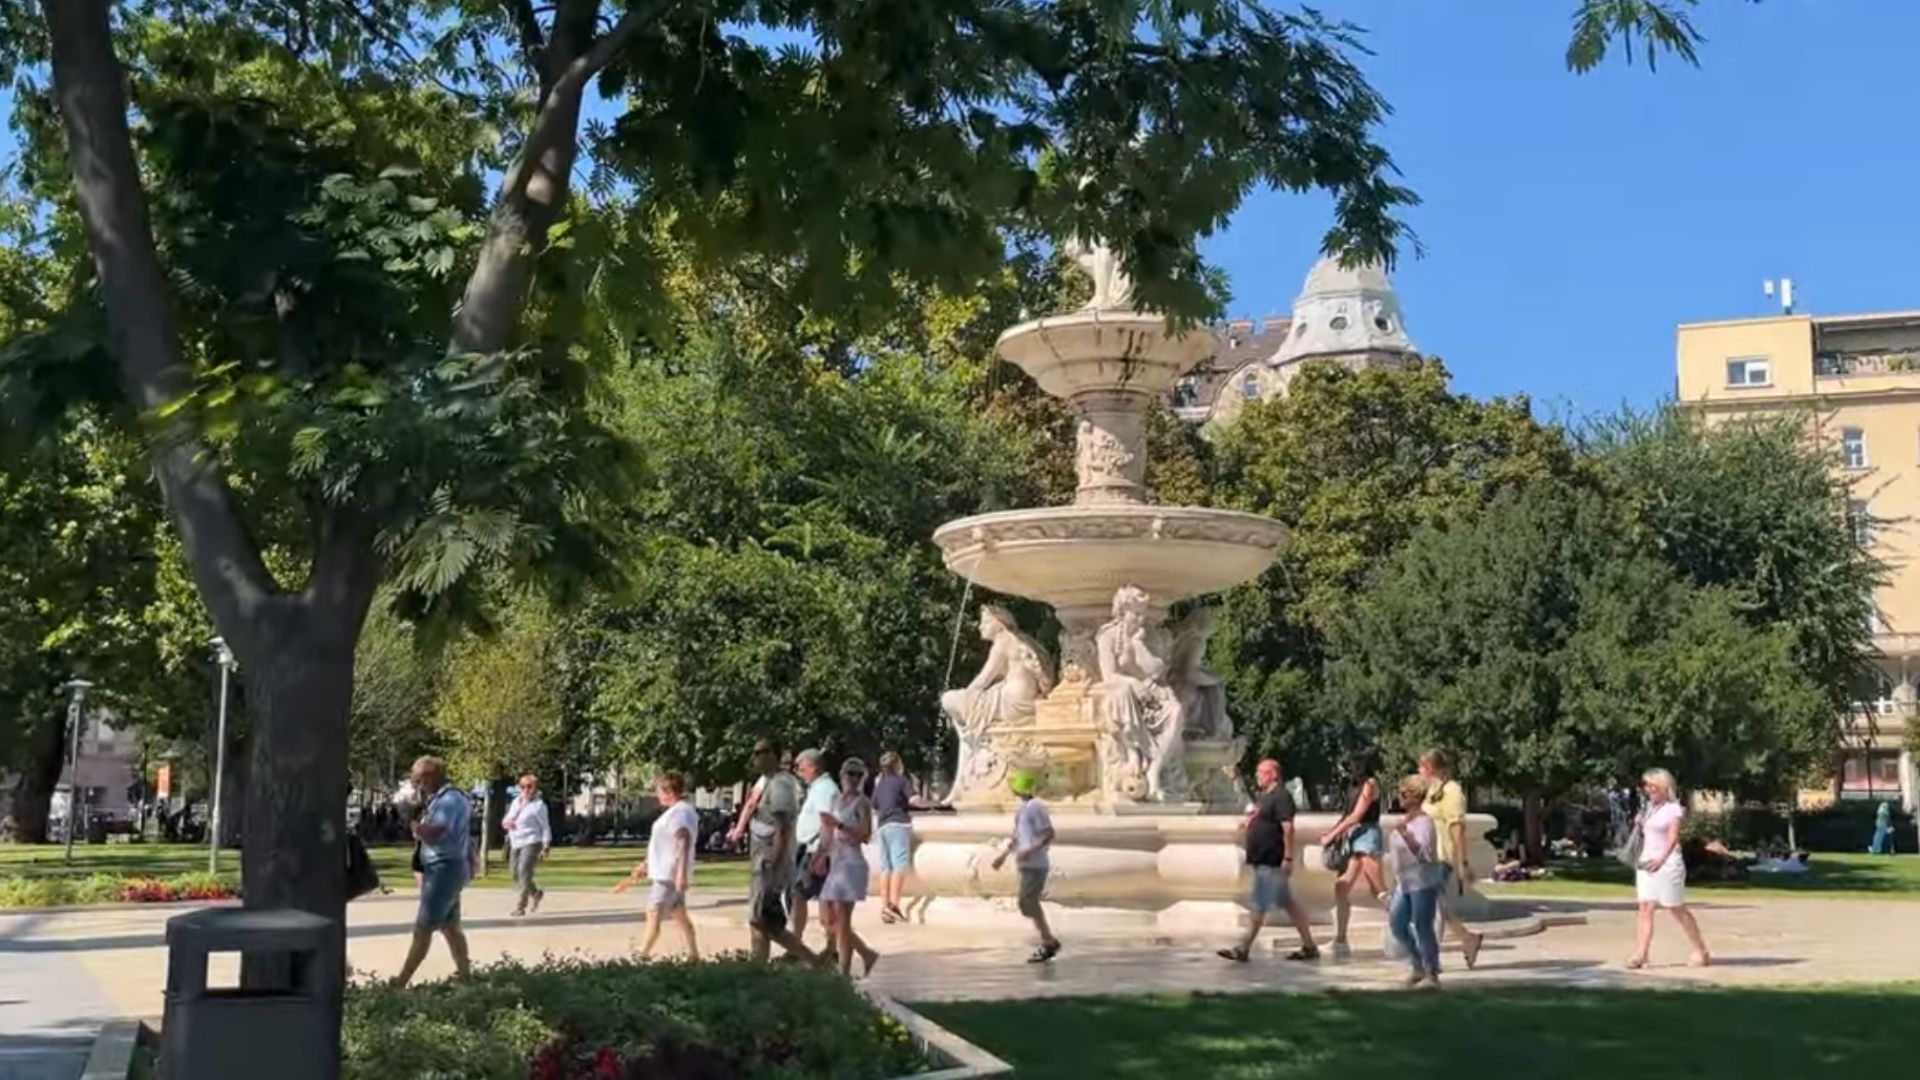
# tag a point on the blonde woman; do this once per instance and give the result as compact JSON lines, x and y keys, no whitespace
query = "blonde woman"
{"x":1660,"y":881}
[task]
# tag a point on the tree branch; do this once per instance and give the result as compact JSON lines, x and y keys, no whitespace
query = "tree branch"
{"x":89,"y":89}
{"x":535,"y":189}
{"x":533,"y":43}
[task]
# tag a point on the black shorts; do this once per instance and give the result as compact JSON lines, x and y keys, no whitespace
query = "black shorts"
{"x":769,"y":912}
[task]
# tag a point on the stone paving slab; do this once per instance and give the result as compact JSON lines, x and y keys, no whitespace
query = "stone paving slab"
{"x":105,"y":964}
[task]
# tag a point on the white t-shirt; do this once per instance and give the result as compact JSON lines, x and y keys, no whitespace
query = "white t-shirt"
{"x":663,"y":850}
{"x":1028,"y":824}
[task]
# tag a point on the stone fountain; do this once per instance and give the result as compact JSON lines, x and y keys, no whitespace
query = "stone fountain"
{"x":1130,"y":732}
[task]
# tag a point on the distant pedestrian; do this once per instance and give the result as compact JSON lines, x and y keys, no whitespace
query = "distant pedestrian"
{"x":445,"y":866}
{"x":1360,"y":829}
{"x":529,"y":838}
{"x":1414,"y":849}
{"x":845,"y":829}
{"x":821,"y":794}
{"x":1033,"y":837}
{"x":1269,"y":837}
{"x":668,"y":866}
{"x":771,"y":855}
{"x":1447,"y":806}
{"x":1882,"y":831}
{"x":1660,"y":881}
{"x":893,"y":810}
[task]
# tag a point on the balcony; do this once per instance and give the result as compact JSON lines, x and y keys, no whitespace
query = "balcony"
{"x":1834,"y":363}
{"x":1883,"y":722}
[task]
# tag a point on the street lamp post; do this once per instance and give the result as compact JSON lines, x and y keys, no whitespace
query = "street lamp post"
{"x":224,"y":657}
{"x":76,"y":716}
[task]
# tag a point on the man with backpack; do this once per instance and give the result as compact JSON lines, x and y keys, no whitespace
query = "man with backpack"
{"x":446,"y":865}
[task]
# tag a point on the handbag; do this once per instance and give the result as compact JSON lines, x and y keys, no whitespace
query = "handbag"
{"x":1336,"y":855}
{"x":1631,"y":852}
{"x":362,"y":877}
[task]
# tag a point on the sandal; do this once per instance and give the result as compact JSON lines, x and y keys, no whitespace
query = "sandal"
{"x":1636,"y":963}
{"x":1238,"y":956}
{"x":1700,"y":960}
{"x":1044,"y":953}
{"x":1304,"y":954}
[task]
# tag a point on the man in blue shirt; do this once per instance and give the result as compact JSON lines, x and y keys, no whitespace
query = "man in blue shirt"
{"x":442,"y":831}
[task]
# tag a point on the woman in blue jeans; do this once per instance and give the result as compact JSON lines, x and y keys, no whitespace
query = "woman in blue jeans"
{"x":1411,"y":852}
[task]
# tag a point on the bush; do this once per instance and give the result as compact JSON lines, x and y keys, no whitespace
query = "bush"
{"x":1846,"y":826}
{"x":623,"y":1020}
{"x":39,"y":892}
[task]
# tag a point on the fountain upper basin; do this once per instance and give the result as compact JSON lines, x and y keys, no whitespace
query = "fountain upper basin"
{"x":1077,"y":556}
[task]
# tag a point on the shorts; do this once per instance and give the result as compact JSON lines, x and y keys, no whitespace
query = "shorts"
{"x":896,"y":848}
{"x":1367,"y":840}
{"x":440,"y":886}
{"x":1271,"y":890}
{"x":666,"y":899}
{"x":767,"y":900}
{"x":1033,"y":884}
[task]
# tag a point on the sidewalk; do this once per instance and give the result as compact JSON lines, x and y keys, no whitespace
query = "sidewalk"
{"x":77,"y":968}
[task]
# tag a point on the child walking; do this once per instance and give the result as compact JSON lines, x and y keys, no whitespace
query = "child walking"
{"x":1411,"y":850}
{"x":1032,"y":836}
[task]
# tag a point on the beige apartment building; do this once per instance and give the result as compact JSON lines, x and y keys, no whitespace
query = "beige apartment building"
{"x":1857,"y":377}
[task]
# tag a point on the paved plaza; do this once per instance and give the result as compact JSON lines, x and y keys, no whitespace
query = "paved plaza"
{"x":63,"y":973}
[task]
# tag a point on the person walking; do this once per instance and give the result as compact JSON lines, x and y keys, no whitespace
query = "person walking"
{"x":446,"y":865}
{"x":1660,"y":881}
{"x":529,"y":838}
{"x":770,"y":854}
{"x":1414,"y":849}
{"x":822,"y":793}
{"x":1882,"y":831}
{"x":1032,"y":840}
{"x":669,"y":864}
{"x":1269,"y":837}
{"x":845,"y":829}
{"x":1447,"y":806}
{"x":1360,"y":828}
{"x":893,"y":810}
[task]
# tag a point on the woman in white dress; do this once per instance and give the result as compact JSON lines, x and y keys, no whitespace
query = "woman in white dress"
{"x":844,"y":832}
{"x":1660,"y":881}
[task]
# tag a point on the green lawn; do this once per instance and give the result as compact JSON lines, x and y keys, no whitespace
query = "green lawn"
{"x":566,"y":867}
{"x":1850,"y":876}
{"x":1523,"y":1034}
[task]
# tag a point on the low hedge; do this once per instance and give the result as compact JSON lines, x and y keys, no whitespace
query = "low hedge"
{"x":624,"y":1020}
{"x":44,"y":891}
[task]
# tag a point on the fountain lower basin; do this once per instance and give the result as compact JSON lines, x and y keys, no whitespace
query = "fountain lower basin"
{"x":1075,"y":557}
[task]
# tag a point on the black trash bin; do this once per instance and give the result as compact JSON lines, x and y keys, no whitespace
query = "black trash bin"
{"x":279,"y":1031}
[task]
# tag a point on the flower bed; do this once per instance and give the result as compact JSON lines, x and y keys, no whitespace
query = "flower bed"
{"x":39,"y":892}
{"x":625,"y":1020}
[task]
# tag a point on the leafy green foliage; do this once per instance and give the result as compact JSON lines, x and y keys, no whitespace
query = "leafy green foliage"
{"x":499,"y":707}
{"x":728,"y":1017}
{"x":1547,"y":647}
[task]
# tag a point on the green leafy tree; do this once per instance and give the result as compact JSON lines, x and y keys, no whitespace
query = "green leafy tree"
{"x":1547,"y":647}
{"x":1354,"y":464}
{"x":396,"y":688}
{"x":499,"y":710}
{"x":1753,"y":506}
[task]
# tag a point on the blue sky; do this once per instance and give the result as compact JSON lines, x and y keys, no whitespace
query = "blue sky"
{"x":1571,"y":221}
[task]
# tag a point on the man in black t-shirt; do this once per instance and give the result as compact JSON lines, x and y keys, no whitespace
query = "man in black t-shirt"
{"x":1269,"y":840}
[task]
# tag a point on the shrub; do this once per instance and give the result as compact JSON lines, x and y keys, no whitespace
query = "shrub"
{"x":579,"y":1020}
{"x":35,"y":892}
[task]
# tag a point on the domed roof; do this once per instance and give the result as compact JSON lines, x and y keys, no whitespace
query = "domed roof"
{"x":1346,"y":312}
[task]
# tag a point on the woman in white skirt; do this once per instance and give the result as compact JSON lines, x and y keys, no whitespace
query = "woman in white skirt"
{"x":1660,"y":880}
{"x":844,"y":832}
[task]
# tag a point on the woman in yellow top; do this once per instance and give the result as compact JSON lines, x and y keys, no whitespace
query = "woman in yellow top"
{"x":1447,"y":805}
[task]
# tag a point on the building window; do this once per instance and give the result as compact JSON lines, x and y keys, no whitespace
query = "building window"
{"x":1853,"y":447}
{"x":1870,"y":774}
{"x":1861,"y":518}
{"x":1749,"y":371}
{"x":1250,"y":385}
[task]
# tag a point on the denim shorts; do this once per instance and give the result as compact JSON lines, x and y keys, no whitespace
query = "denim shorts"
{"x":1367,"y":840}
{"x":1270,"y":889}
{"x":896,"y":848}
{"x":440,"y":885}
{"x":666,"y":899}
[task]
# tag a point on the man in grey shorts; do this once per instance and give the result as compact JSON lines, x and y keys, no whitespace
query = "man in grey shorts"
{"x":1270,"y":846}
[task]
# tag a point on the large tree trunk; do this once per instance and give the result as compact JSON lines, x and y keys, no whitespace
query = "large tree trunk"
{"x":1534,"y":808}
{"x":299,"y":689}
{"x":39,"y":775}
